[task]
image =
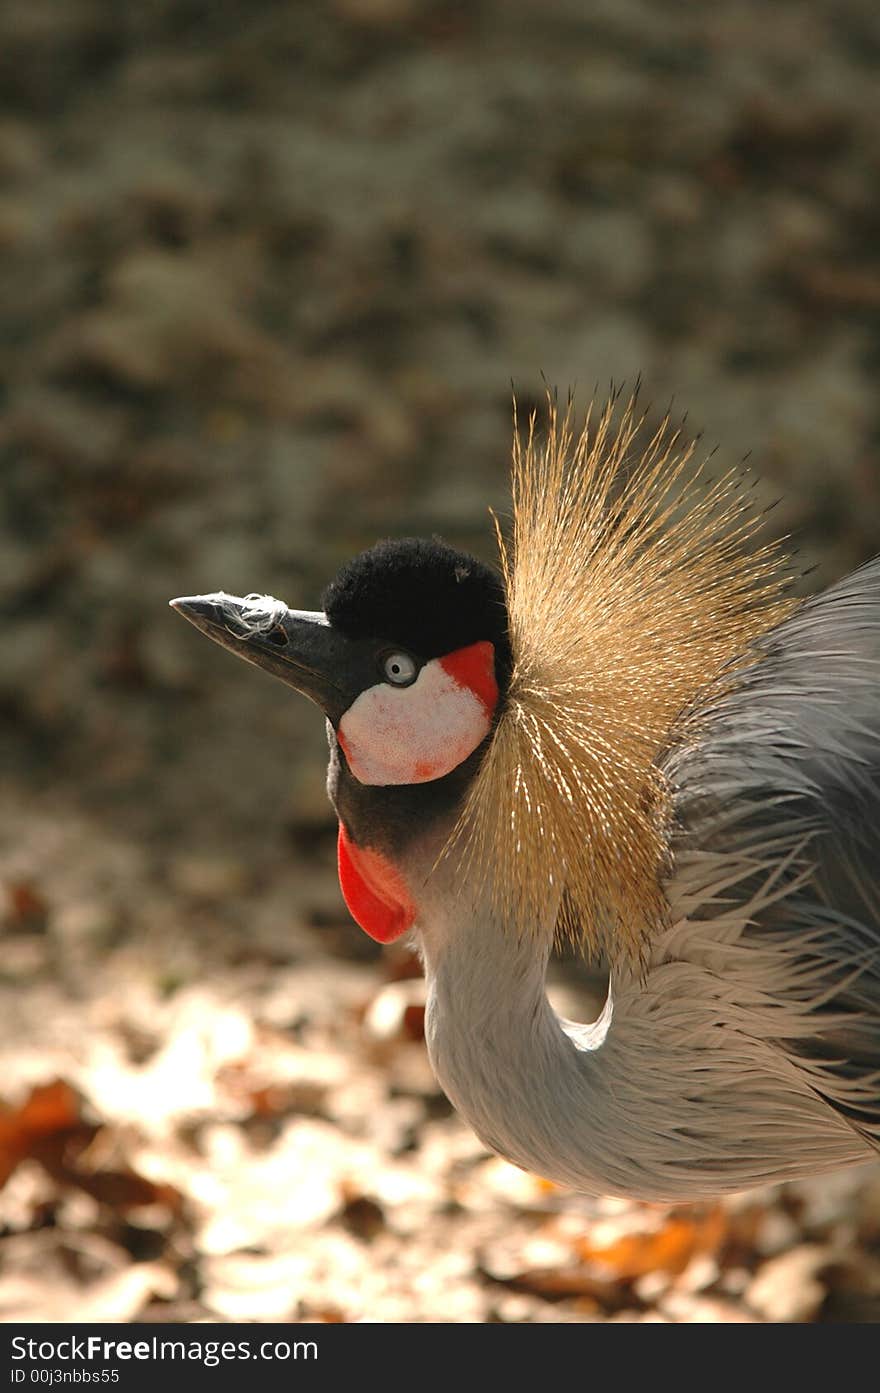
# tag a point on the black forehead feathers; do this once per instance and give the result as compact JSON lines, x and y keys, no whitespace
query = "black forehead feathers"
{"x":422,"y":594}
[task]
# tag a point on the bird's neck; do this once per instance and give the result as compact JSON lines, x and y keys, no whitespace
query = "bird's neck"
{"x":524,"y":1079}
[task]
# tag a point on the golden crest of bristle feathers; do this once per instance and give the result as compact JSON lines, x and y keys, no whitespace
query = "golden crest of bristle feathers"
{"x":634,"y":586}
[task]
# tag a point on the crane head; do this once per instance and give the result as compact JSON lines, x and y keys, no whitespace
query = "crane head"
{"x":409,"y":661}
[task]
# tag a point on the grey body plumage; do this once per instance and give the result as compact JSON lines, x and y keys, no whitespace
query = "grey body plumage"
{"x":750,"y":1051}
{"x":789,"y":770}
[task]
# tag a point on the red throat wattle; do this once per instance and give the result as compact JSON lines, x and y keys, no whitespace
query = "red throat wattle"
{"x":374,"y":891}
{"x":408,"y":737}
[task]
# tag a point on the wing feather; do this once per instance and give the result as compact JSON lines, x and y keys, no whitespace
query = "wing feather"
{"x":777,"y":810}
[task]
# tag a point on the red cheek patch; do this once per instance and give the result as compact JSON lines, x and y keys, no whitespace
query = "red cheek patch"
{"x":412,"y":735}
{"x":474,"y":667}
{"x":374,"y":891}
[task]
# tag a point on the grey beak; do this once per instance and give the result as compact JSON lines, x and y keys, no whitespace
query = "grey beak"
{"x":297,"y":646}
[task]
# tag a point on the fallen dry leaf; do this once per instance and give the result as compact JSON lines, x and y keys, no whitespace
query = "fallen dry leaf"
{"x":27,"y":908}
{"x":670,"y":1248}
{"x":49,"y":1128}
{"x":49,"y":1110}
{"x":556,"y":1283}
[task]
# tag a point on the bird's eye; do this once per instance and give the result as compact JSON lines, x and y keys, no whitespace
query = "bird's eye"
{"x":399,"y":669}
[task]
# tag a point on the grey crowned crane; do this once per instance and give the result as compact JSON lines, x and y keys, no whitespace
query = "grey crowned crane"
{"x":632,"y":735}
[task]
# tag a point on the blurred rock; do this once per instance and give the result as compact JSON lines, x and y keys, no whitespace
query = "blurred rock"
{"x":789,"y":1287}
{"x":21,"y":152}
{"x":212,"y":879}
{"x":397,"y":1012}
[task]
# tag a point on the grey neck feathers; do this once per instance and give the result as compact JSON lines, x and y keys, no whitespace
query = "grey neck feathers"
{"x":525,"y":1080}
{"x":670,"y":1095}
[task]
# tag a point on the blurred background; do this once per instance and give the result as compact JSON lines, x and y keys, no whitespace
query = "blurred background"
{"x":267,"y":271}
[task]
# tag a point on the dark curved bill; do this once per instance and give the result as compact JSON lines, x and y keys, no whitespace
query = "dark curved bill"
{"x":297,"y":646}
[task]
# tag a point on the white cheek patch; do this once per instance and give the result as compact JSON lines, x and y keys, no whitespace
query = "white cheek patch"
{"x":410,"y":735}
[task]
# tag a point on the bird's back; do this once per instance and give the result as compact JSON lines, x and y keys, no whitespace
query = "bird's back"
{"x":777,"y":823}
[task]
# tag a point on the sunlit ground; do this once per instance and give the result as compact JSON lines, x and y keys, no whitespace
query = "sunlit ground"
{"x":204,"y":1128}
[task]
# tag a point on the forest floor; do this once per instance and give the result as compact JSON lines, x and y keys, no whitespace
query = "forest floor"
{"x":204,"y":1125}
{"x":266,"y":274}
